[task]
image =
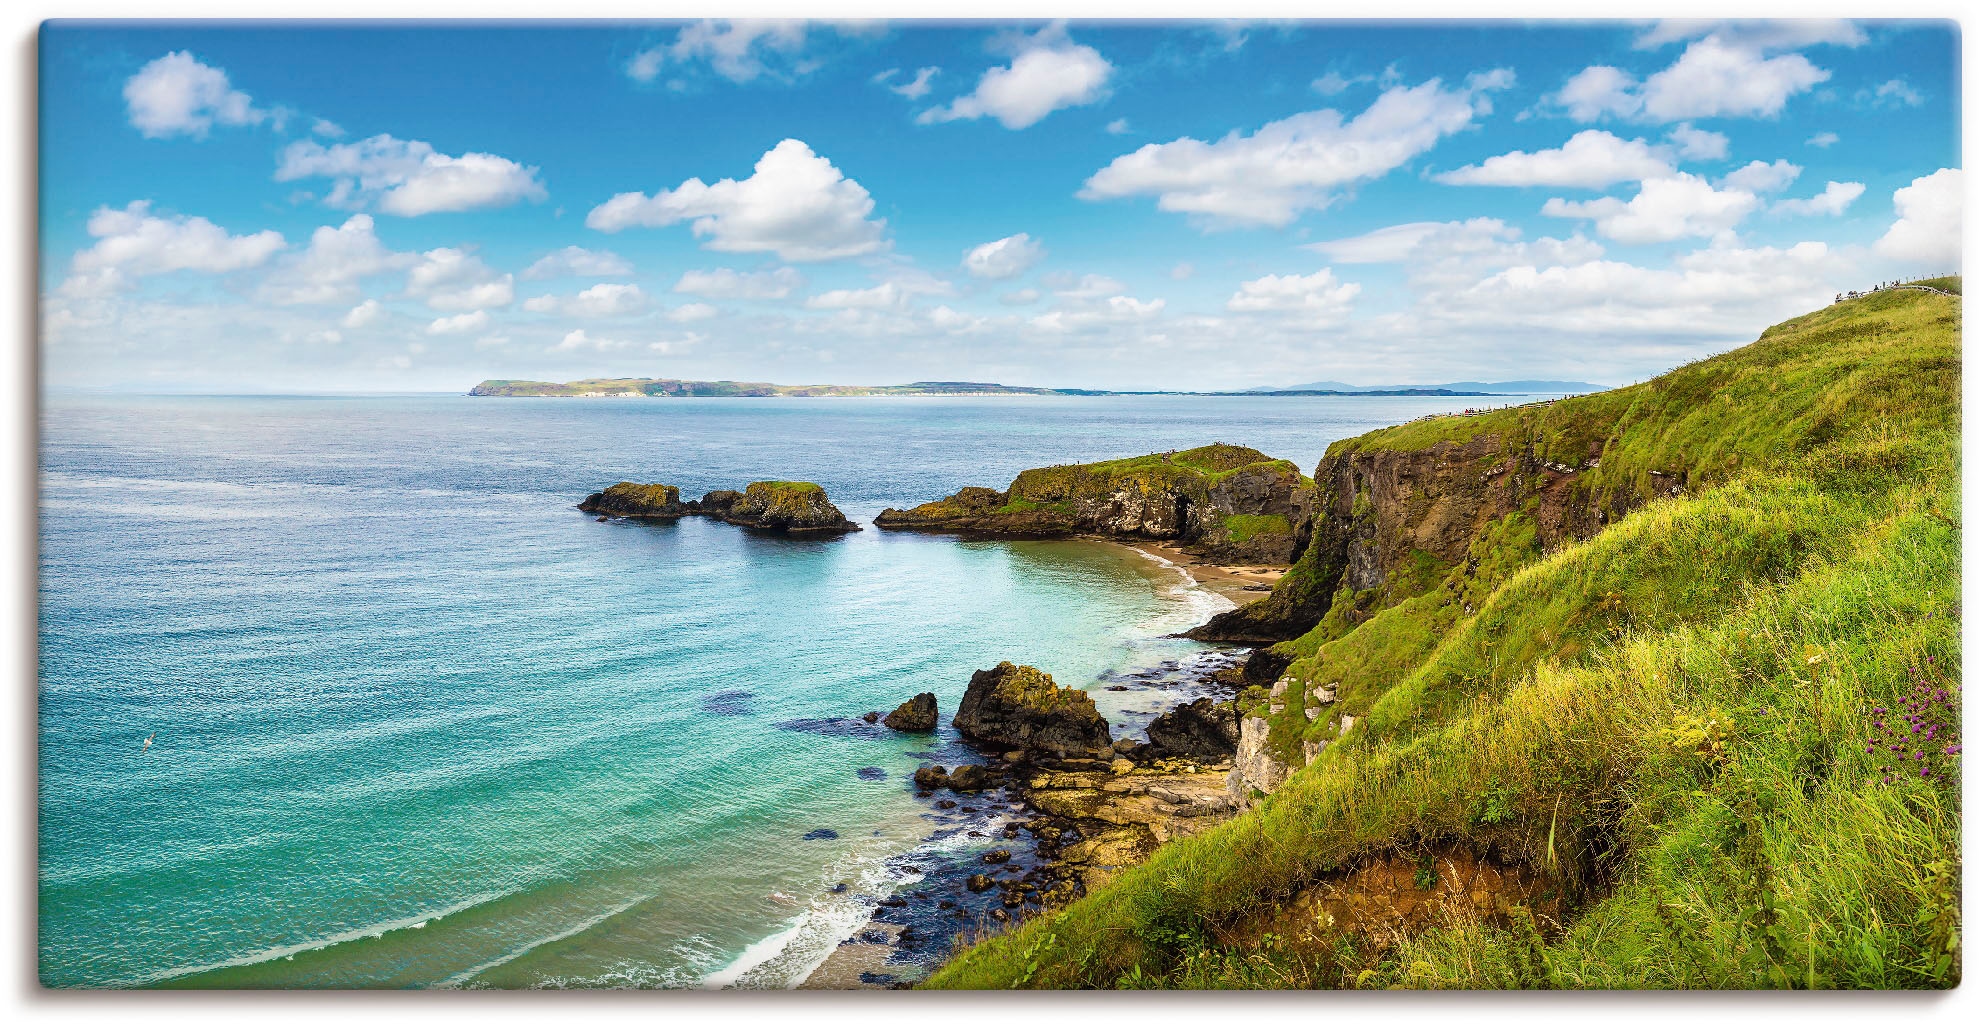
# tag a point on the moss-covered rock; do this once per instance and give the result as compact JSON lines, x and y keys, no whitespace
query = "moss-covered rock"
{"x":633,"y":500}
{"x":1015,"y":706}
{"x":1225,"y":502}
{"x":916,"y":715}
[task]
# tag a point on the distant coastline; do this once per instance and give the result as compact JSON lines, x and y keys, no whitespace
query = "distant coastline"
{"x":639,"y":388}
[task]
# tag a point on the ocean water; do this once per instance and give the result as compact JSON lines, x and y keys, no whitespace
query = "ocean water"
{"x":416,"y":722}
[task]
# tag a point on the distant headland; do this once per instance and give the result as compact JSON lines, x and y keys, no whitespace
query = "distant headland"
{"x":676,"y":387}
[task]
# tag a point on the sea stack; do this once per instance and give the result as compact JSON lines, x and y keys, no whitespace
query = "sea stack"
{"x":784,"y":508}
{"x":632,"y":500}
{"x":1013,"y":706}
{"x":916,"y":715}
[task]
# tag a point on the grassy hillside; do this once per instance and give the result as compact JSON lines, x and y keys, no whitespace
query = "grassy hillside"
{"x":1721,"y":733}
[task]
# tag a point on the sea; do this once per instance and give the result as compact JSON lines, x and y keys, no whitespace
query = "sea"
{"x":343,"y":692}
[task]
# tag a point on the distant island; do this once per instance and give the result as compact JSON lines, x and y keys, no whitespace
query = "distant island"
{"x":674,"y":387}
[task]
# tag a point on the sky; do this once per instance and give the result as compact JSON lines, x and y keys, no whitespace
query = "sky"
{"x":1178,"y":205}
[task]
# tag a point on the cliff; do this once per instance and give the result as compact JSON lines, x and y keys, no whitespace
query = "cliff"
{"x":1622,"y":664}
{"x":1225,"y":502}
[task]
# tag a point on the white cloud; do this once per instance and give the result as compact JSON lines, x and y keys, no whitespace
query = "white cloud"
{"x":1048,"y":73}
{"x":448,"y":279}
{"x":1664,"y":209}
{"x":1441,"y":255}
{"x":576,"y":261}
{"x":133,"y":243}
{"x":1294,"y":164}
{"x":1114,"y":310}
{"x":1835,"y":198}
{"x":1823,"y":140}
{"x":796,"y":205}
{"x":1118,"y":127}
{"x":363,"y":314}
{"x":1334,"y":84}
{"x":913,"y":89}
{"x":1019,"y":297}
{"x":605,"y":300}
{"x":1786,"y":34}
{"x":1891,"y":93}
{"x":900,"y":285}
{"x":730,"y":284}
{"x":740,"y":51}
{"x":458,"y":324}
{"x":688,"y":312}
{"x":1600,"y":90}
{"x":1591,"y":159}
{"x":1316,"y":297}
{"x":1004,"y":258}
{"x":1761,"y":177}
{"x":1927,"y":231}
{"x":1082,"y":287}
{"x":329,"y":271}
{"x":326,"y":128}
{"x":178,"y":95}
{"x":1697,"y":144}
{"x":1183,"y":270}
{"x":1720,"y":75}
{"x":408,"y":177}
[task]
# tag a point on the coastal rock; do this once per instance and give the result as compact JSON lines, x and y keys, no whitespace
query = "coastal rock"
{"x":717,"y":502}
{"x":1254,"y":769}
{"x":633,"y":500}
{"x":791,"y":508}
{"x":916,"y":715}
{"x":1225,"y":502}
{"x":1013,"y":705}
{"x":969,"y":778}
{"x":1205,"y":730}
{"x":932,"y":777}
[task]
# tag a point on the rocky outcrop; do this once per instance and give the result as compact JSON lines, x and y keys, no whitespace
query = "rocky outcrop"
{"x":1017,"y":707}
{"x":785,"y":508}
{"x":1204,"y":730}
{"x":632,"y":500}
{"x":1224,"y":502}
{"x":916,"y":715}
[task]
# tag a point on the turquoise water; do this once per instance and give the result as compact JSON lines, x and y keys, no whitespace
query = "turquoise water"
{"x":417,"y":722}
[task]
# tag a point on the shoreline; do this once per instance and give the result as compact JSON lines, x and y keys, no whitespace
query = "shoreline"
{"x":1013,"y":860}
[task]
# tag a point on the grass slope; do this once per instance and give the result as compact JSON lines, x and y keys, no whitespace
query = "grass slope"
{"x":1685,"y":721}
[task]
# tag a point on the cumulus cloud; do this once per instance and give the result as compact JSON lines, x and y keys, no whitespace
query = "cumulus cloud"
{"x":408,"y":177}
{"x":133,"y":243}
{"x":897,"y":287}
{"x":688,"y":312}
{"x":1004,"y":258}
{"x":1118,"y":127}
{"x":1716,"y":76}
{"x":795,"y":205}
{"x":1295,"y":164}
{"x":1049,"y":72}
{"x":1823,"y":140}
{"x":1019,"y":297}
{"x":1927,"y":231}
{"x":1443,"y":253}
{"x":1891,"y":93}
{"x":363,"y":314}
{"x":1316,"y":297}
{"x":330,"y":269}
{"x":914,"y":88}
{"x":1697,"y":144}
{"x":740,"y":51}
{"x":1068,"y":286}
{"x":178,"y":95}
{"x":576,"y":262}
{"x":1835,"y":198}
{"x":1664,"y":209}
{"x":1334,"y":83}
{"x":605,"y":300}
{"x":730,"y":284}
{"x":1762,"y":177}
{"x":1114,"y":310}
{"x":473,"y":321}
{"x":1786,"y":34}
{"x":1591,"y":159}
{"x":447,"y":279}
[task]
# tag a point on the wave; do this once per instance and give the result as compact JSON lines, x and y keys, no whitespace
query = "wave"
{"x":462,"y":979}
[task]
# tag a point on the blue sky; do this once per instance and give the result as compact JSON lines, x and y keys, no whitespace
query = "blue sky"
{"x":1184,"y":205}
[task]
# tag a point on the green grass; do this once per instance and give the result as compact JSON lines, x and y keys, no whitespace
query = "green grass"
{"x":1243,"y":527}
{"x":1669,"y":718}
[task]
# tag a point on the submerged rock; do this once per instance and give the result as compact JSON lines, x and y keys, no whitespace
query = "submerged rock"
{"x":1013,"y":705}
{"x":633,"y":500}
{"x":821,"y":833}
{"x":916,"y":715}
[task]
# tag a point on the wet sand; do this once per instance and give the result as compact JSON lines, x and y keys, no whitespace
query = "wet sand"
{"x":1239,"y":583}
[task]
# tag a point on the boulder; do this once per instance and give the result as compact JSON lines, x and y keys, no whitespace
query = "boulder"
{"x":633,"y":500}
{"x":916,"y":715}
{"x":1204,"y":730}
{"x":969,"y":778}
{"x":931,"y":777}
{"x":1016,"y":706}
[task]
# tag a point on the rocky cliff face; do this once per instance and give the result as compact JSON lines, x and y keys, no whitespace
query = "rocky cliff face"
{"x":1386,"y":518}
{"x":1225,"y":502}
{"x":788,"y":508}
{"x":1020,"y":708}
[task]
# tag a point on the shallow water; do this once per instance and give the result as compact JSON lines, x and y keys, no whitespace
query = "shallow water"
{"x":417,"y":722}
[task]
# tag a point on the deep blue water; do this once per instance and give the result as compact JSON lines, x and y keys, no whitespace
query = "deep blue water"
{"x":415,"y":721}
